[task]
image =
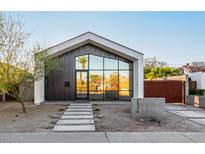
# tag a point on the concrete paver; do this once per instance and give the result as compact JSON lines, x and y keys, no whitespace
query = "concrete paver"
{"x":181,"y":108}
{"x":79,"y":110}
{"x":199,"y":121}
{"x":189,"y":114}
{"x":80,"y":107}
{"x":73,"y":128}
{"x":74,"y":122}
{"x":77,"y":117}
{"x":78,"y":113}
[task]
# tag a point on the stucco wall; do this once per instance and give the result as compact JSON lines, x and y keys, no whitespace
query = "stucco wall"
{"x":199,"y":77}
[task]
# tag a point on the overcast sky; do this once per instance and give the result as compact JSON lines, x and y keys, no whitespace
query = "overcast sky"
{"x":175,"y":37}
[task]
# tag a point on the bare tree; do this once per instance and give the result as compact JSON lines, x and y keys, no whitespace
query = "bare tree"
{"x":17,"y":66}
{"x":154,"y":63}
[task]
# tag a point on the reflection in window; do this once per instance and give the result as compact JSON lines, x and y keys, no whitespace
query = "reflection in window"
{"x":96,"y":80}
{"x":124,"y":80}
{"x":95,"y":62}
{"x":111,"y":80}
{"x":111,"y":95}
{"x":110,"y":63}
{"x":82,"y":62}
{"x":125,"y":95}
{"x":123,"y":65}
{"x":81,"y":81}
{"x":96,"y":95}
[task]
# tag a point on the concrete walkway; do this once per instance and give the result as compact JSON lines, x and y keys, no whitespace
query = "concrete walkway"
{"x":194,"y":114}
{"x":104,"y":137}
{"x":77,"y":118}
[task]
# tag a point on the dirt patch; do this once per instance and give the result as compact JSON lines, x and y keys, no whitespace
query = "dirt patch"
{"x":118,"y":118}
{"x":40,"y":118}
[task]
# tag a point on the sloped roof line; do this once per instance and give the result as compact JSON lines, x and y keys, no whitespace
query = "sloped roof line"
{"x":93,"y":40}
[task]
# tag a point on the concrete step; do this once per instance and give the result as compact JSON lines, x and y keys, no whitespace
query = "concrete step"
{"x":73,"y":128}
{"x":75,"y":122}
{"x":82,"y":101}
{"x":79,"y":110}
{"x":81,"y":104}
{"x":78,"y":113}
{"x":80,"y":107}
{"x":77,"y":117}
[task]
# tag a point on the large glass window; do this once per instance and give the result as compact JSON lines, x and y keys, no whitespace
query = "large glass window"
{"x":124,"y":80}
{"x":96,"y":85}
{"x":81,"y":62}
{"x":110,"y":63}
{"x":96,"y":80}
{"x":95,"y":62}
{"x":108,"y":79}
{"x":123,"y":65}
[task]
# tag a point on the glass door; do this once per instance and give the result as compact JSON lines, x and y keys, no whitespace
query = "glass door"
{"x":82,"y":85}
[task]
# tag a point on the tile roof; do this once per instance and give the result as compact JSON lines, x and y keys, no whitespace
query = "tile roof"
{"x":193,"y":69}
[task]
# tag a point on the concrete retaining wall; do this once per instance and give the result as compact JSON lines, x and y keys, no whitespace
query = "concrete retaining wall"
{"x":198,"y":101}
{"x":148,"y":108}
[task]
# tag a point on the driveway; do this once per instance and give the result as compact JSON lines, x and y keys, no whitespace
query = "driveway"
{"x":191,"y":113}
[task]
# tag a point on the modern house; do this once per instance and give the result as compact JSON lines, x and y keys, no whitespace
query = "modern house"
{"x":92,"y":68}
{"x":196,"y":72}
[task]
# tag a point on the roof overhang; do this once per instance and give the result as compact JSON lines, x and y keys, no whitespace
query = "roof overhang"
{"x":91,"y":38}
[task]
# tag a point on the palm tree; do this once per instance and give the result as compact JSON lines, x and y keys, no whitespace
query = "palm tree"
{"x":82,"y":60}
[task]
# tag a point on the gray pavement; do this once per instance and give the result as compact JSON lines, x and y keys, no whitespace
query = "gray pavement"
{"x":189,"y":112}
{"x":104,"y":137}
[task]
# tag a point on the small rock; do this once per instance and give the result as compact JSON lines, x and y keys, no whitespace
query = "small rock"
{"x":141,"y":120}
{"x":100,"y":116}
{"x":97,"y":109}
{"x":53,"y":116}
{"x":16,"y":115}
{"x":97,"y":120}
{"x":61,"y":110}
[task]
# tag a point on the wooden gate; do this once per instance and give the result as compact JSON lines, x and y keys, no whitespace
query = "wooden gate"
{"x":172,"y":90}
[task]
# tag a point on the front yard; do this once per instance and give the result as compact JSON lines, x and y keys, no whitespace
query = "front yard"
{"x":108,"y":117}
{"x":118,"y":118}
{"x":37,"y":118}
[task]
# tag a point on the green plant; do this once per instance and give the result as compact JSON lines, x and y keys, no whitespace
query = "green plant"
{"x":97,"y":109}
{"x":198,"y":92}
{"x":159,"y":72}
{"x":18,"y":65}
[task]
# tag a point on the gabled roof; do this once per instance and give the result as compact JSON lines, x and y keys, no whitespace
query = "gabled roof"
{"x":99,"y":41}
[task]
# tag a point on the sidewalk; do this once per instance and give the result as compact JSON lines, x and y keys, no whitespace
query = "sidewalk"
{"x":104,"y":137}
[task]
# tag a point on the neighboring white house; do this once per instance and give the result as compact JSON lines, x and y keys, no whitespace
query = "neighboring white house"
{"x":199,"y":77}
{"x":196,"y":72}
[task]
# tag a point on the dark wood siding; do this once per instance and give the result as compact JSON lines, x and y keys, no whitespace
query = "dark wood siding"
{"x":55,"y":82}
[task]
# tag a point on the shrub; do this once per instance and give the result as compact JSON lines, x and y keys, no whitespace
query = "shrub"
{"x":198,"y":92}
{"x":97,"y":109}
